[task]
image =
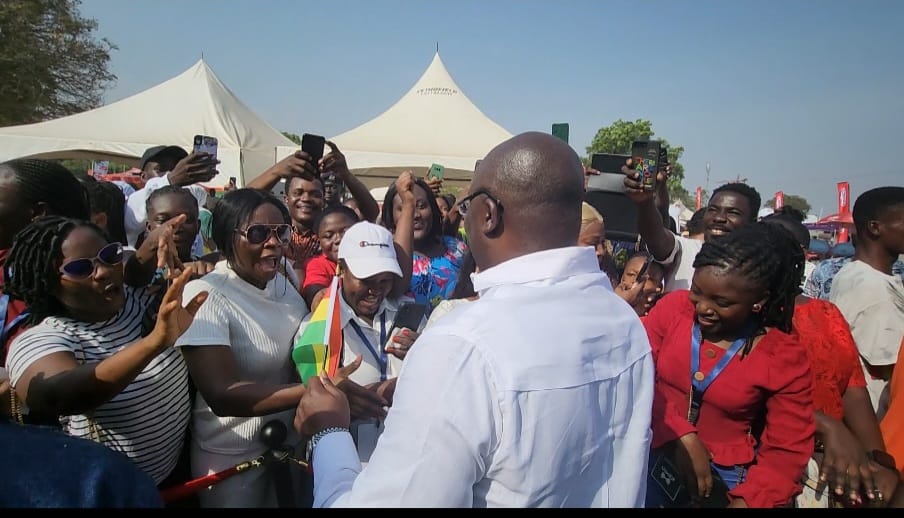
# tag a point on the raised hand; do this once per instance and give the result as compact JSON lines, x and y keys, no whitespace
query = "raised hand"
{"x":173,"y":319}
{"x":196,"y":167}
{"x":296,"y":164}
{"x":405,"y":187}
{"x":435,"y":184}
{"x":335,"y":162}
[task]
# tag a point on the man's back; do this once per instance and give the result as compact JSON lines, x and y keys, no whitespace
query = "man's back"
{"x":537,"y":394}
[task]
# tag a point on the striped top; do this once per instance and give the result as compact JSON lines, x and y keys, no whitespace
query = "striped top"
{"x":146,"y":421}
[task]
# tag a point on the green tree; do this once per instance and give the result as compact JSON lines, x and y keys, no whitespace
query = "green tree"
{"x":617,"y":138}
{"x":51,"y":62}
{"x":292,"y":136}
{"x":791,"y":200}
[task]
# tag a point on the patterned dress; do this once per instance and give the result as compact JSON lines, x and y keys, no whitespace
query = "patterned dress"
{"x":434,"y":278}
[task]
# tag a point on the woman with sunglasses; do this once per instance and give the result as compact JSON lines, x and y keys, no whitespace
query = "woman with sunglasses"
{"x":238,"y":349}
{"x":90,"y":359}
{"x":437,"y":258}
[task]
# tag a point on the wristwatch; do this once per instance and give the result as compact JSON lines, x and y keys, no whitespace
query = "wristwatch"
{"x":320,"y":435}
{"x":883,"y":459}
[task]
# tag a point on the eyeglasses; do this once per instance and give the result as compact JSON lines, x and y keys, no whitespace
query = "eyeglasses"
{"x":110,"y":255}
{"x":257,"y":234}
{"x":465,"y":203}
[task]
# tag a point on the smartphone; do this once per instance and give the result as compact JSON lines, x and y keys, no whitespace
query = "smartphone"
{"x":205,"y":144}
{"x":645,"y":155}
{"x":608,"y":162}
{"x":313,"y":146}
{"x":644,"y":268}
{"x":436,"y":171}
{"x":409,"y":316}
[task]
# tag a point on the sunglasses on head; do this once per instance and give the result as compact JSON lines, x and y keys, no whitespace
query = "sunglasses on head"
{"x":110,"y":255}
{"x":259,"y":233}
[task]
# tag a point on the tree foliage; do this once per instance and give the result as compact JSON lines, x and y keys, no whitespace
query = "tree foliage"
{"x":617,"y":138}
{"x":791,"y":200}
{"x":292,"y":136}
{"x":51,"y":62}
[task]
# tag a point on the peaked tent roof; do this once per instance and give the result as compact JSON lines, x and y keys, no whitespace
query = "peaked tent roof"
{"x":434,"y":122}
{"x":194,"y":102}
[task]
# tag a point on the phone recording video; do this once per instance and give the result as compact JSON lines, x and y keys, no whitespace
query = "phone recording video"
{"x":646,"y":159}
{"x":205,"y":144}
{"x":313,"y":146}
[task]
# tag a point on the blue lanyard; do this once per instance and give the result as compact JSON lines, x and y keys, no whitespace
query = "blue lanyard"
{"x":701,"y":382}
{"x":378,"y":353}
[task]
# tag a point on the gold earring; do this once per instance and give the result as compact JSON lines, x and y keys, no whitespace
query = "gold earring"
{"x":757,"y":308}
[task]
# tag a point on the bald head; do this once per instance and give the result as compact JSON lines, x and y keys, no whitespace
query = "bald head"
{"x":539,"y":181}
{"x":535,"y":168}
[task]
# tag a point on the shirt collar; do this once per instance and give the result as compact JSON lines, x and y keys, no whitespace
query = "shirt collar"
{"x":537,"y":266}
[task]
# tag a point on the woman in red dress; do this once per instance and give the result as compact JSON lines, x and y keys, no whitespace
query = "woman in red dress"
{"x":733,"y":394}
{"x":850,"y":449}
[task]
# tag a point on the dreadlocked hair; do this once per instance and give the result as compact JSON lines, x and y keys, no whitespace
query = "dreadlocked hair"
{"x":31,"y":268}
{"x":770,"y":258}
{"x":42,"y":181}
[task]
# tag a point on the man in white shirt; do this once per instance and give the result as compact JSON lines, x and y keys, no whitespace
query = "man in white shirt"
{"x":367,"y":313}
{"x":537,"y":394}
{"x":730,"y":206}
{"x":168,"y":165}
{"x":869,"y":294}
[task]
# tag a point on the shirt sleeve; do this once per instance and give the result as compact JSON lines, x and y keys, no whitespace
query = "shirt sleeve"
{"x":669,"y":421}
{"x":786,"y":442}
{"x":317,"y":272}
{"x":429,"y":455}
{"x":877,"y":330}
{"x":211,"y":323}
{"x":674,"y":255}
{"x":31,"y":346}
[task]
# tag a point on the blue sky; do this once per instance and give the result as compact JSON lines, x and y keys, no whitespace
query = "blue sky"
{"x":794,"y":95}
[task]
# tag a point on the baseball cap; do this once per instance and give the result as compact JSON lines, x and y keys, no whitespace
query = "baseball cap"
{"x":368,"y":249}
{"x":155,"y":151}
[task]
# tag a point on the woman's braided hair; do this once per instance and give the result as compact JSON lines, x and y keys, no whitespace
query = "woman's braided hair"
{"x":31,"y":268}
{"x":769,"y":257}
{"x":50,"y":183}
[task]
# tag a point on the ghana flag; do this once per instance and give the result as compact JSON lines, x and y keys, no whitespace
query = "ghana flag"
{"x":320,"y":344}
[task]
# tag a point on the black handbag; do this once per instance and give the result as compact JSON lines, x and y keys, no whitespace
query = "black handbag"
{"x":667,"y":478}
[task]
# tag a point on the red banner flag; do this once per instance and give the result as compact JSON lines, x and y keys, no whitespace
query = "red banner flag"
{"x":779,"y":200}
{"x":844,"y":207}
{"x":844,"y":198}
{"x":699,"y":198}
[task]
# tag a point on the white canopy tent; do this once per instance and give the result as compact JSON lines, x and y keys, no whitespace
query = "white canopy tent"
{"x":434,"y":122}
{"x":171,"y":113}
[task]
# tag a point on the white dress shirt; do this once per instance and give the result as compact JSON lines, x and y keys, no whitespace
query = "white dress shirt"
{"x":538,"y":394}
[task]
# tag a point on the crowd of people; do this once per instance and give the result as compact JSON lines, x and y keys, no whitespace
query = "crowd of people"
{"x":148,"y":335}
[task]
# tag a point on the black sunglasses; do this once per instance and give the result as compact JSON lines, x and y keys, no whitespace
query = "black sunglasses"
{"x":110,"y":255}
{"x":258,"y":233}
{"x":465,"y":203}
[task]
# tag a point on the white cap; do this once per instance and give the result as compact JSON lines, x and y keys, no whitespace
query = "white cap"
{"x":368,"y":249}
